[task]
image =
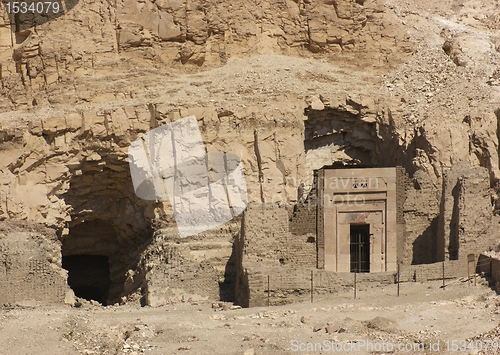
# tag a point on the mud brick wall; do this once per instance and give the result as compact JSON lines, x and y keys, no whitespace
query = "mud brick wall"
{"x":475,"y":233}
{"x":302,"y":250}
{"x":303,"y":219}
{"x":425,"y":272}
{"x":288,"y":285}
{"x":264,"y":232}
{"x":30,"y":269}
{"x":172,"y":276}
{"x":266,"y":237}
{"x":421,"y":213}
{"x":490,"y":265}
{"x":302,"y":238}
{"x":36,"y":281}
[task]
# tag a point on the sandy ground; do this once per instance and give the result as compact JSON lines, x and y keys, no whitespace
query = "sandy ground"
{"x":424,"y":313}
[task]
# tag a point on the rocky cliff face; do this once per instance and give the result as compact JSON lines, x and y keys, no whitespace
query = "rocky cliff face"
{"x":72,"y":105}
{"x":288,"y":86}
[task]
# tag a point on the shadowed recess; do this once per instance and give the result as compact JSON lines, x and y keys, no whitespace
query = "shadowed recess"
{"x":88,"y":276}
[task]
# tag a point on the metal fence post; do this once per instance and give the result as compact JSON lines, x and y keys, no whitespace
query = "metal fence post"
{"x":268,"y":291}
{"x":468,"y":271}
{"x":398,"y":278}
{"x":312,"y":286}
{"x":355,"y":273}
{"x":443,"y":277}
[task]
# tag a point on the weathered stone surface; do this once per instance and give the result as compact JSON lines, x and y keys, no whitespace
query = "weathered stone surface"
{"x":169,"y":276}
{"x":318,"y":326}
{"x":332,"y":328}
{"x":70,"y":106}
{"x":30,"y":266}
{"x":465,"y":224}
{"x":421,"y":214}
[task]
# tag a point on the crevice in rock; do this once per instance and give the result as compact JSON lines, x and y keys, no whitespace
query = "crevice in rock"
{"x":259,"y":164}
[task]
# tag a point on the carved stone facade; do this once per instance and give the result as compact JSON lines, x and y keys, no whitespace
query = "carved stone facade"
{"x":359,"y":226}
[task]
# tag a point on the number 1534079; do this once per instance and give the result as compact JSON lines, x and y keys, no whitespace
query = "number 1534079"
{"x":39,"y":7}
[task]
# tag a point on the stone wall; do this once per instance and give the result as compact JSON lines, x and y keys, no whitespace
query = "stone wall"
{"x":265,"y":239}
{"x":170,"y":276}
{"x":30,"y":266}
{"x":288,"y":285}
{"x":421,"y":212}
{"x":466,"y":213}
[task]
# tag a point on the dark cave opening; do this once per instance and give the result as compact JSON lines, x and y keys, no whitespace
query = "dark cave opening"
{"x":91,"y":254}
{"x":88,"y":276}
{"x":108,"y":219}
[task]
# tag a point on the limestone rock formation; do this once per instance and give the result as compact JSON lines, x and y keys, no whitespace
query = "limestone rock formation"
{"x":288,"y":86}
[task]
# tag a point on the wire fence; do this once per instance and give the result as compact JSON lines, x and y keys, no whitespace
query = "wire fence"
{"x":359,"y":265}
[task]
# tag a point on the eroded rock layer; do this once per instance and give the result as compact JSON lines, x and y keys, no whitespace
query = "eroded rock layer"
{"x":288,"y":86}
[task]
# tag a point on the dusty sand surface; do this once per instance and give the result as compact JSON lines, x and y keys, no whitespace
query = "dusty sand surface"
{"x":424,"y":313}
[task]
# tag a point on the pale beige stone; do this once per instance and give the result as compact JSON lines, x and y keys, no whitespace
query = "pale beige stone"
{"x":360,"y":197}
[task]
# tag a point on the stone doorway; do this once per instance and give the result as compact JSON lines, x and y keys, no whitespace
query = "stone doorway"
{"x":360,"y":247}
{"x":348,"y":199}
{"x":93,"y":255}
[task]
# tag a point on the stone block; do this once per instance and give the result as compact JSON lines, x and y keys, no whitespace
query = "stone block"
{"x":54,"y":125}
